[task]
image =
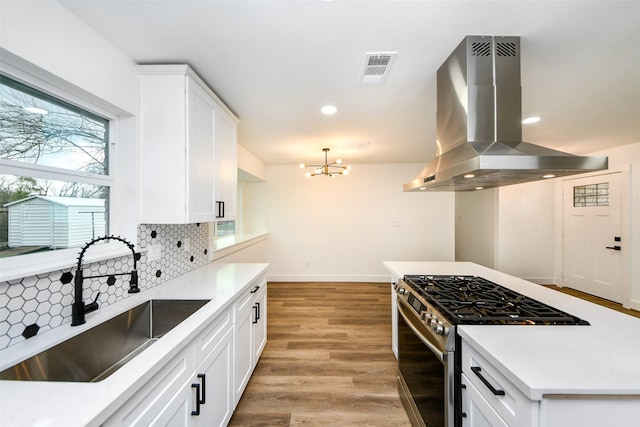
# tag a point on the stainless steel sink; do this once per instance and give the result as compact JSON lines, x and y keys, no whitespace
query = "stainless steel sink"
{"x":100,"y":351}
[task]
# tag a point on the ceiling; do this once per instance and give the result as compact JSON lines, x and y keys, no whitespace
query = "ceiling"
{"x":276,"y":63}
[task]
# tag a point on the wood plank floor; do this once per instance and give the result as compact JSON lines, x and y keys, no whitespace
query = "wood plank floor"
{"x":328,"y":359}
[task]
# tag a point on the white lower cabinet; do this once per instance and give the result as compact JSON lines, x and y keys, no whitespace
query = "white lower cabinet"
{"x":259,"y":323}
{"x":213,"y":385}
{"x":489,"y":397}
{"x":164,"y":400}
{"x":203,"y":383}
{"x":394,"y":316}
{"x":250,"y":334}
{"x":477,"y":411}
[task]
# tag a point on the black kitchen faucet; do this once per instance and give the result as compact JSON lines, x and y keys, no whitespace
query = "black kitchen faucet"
{"x":79,"y":308}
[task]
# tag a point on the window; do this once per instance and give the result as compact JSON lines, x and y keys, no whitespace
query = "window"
{"x":55,"y":182}
{"x":225,"y":228}
{"x":591,"y":195}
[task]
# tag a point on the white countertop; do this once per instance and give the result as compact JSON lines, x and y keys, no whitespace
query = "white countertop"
{"x":39,"y":403}
{"x":602,"y":358}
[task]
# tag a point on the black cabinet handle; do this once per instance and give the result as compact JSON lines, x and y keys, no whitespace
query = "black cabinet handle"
{"x":255,"y":289}
{"x":258,"y":304}
{"x":255,"y":314}
{"x":615,"y":248}
{"x":200,"y":398}
{"x":197,"y":387}
{"x":220,"y":208}
{"x":476,"y":370}
{"x":203,"y":399}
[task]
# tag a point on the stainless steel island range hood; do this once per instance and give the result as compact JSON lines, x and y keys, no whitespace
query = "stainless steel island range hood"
{"x":479,"y":124}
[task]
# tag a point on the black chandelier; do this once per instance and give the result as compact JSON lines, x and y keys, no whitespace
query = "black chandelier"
{"x":328,"y":169}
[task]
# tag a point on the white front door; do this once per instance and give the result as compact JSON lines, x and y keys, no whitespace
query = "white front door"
{"x":592,"y":246}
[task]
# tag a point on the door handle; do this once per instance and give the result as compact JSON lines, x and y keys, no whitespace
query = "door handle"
{"x":615,"y":248}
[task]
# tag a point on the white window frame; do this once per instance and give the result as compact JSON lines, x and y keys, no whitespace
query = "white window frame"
{"x":38,"y":263}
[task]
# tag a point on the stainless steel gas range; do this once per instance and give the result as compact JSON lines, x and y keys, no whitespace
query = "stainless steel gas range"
{"x":429,"y":309}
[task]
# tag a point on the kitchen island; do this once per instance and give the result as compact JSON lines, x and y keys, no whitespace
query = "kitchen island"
{"x":571,"y":375}
{"x":60,"y":403}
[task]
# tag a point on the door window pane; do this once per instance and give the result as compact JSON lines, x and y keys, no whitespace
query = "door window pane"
{"x":591,"y":195}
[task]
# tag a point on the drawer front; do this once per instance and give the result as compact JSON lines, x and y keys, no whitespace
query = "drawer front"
{"x":499,"y":392}
{"x":209,"y":338}
{"x":147,"y":406}
{"x":477,"y":412}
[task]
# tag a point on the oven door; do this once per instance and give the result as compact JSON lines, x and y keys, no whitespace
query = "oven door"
{"x":426,"y":374}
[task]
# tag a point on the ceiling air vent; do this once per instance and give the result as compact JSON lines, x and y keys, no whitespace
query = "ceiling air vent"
{"x":376,"y":67}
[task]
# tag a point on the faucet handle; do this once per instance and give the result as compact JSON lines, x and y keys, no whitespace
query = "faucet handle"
{"x":92,"y":306}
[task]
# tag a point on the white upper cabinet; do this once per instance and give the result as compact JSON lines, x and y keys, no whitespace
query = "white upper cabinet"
{"x":184,"y":140}
{"x":226,"y":166}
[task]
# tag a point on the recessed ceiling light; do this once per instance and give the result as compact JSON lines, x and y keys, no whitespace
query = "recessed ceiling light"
{"x":479,"y":188}
{"x":530,"y":120}
{"x":548,"y":176}
{"x":329,"y":110}
{"x":36,"y":110}
{"x":469,"y":175}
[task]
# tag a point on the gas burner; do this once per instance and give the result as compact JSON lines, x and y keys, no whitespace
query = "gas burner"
{"x":475,"y":300}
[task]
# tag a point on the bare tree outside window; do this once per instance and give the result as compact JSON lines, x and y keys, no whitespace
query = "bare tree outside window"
{"x":38,"y":129}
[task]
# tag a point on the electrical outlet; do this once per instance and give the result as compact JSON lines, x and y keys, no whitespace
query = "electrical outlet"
{"x":154,"y":252}
{"x":186,"y":244}
{"x":306,"y":264}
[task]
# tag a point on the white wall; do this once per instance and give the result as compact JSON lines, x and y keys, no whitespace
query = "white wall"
{"x":475,"y":233}
{"x":341,"y":229}
{"x":525,"y":231}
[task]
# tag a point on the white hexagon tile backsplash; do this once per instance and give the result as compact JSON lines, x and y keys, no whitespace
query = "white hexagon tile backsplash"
{"x":39,"y":303}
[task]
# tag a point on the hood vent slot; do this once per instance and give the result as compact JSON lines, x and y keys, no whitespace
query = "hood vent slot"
{"x":506,"y":49}
{"x":481,"y":49}
{"x":376,"y":67}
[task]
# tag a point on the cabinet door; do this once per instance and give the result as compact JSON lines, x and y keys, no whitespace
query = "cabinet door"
{"x":226,"y":164}
{"x":243,"y":352}
{"x":163,"y":146}
{"x":259,"y":323}
{"x":164,"y":400}
{"x":394,"y":318}
{"x":201,"y":154}
{"x":216,"y":386}
{"x":476,"y":410}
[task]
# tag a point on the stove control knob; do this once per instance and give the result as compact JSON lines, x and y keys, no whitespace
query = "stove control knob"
{"x":437,"y":327}
{"x":426,"y":316}
{"x":402,"y":291}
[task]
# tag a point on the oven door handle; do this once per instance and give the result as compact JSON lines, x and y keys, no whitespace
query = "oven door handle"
{"x":421,"y":337}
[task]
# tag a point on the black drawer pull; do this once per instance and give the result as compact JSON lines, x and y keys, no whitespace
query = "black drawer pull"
{"x":476,"y":370}
{"x":197,"y":387}
{"x":203,"y":400}
{"x":255,"y":289}
{"x":255,"y":315}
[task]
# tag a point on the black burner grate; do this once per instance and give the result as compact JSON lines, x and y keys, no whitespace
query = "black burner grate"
{"x":475,"y":300}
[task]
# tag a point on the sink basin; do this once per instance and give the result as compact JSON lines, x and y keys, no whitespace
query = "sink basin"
{"x":100,"y":351}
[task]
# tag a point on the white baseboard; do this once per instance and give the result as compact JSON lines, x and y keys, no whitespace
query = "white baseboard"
{"x":328,"y":278}
{"x":541,"y":280}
